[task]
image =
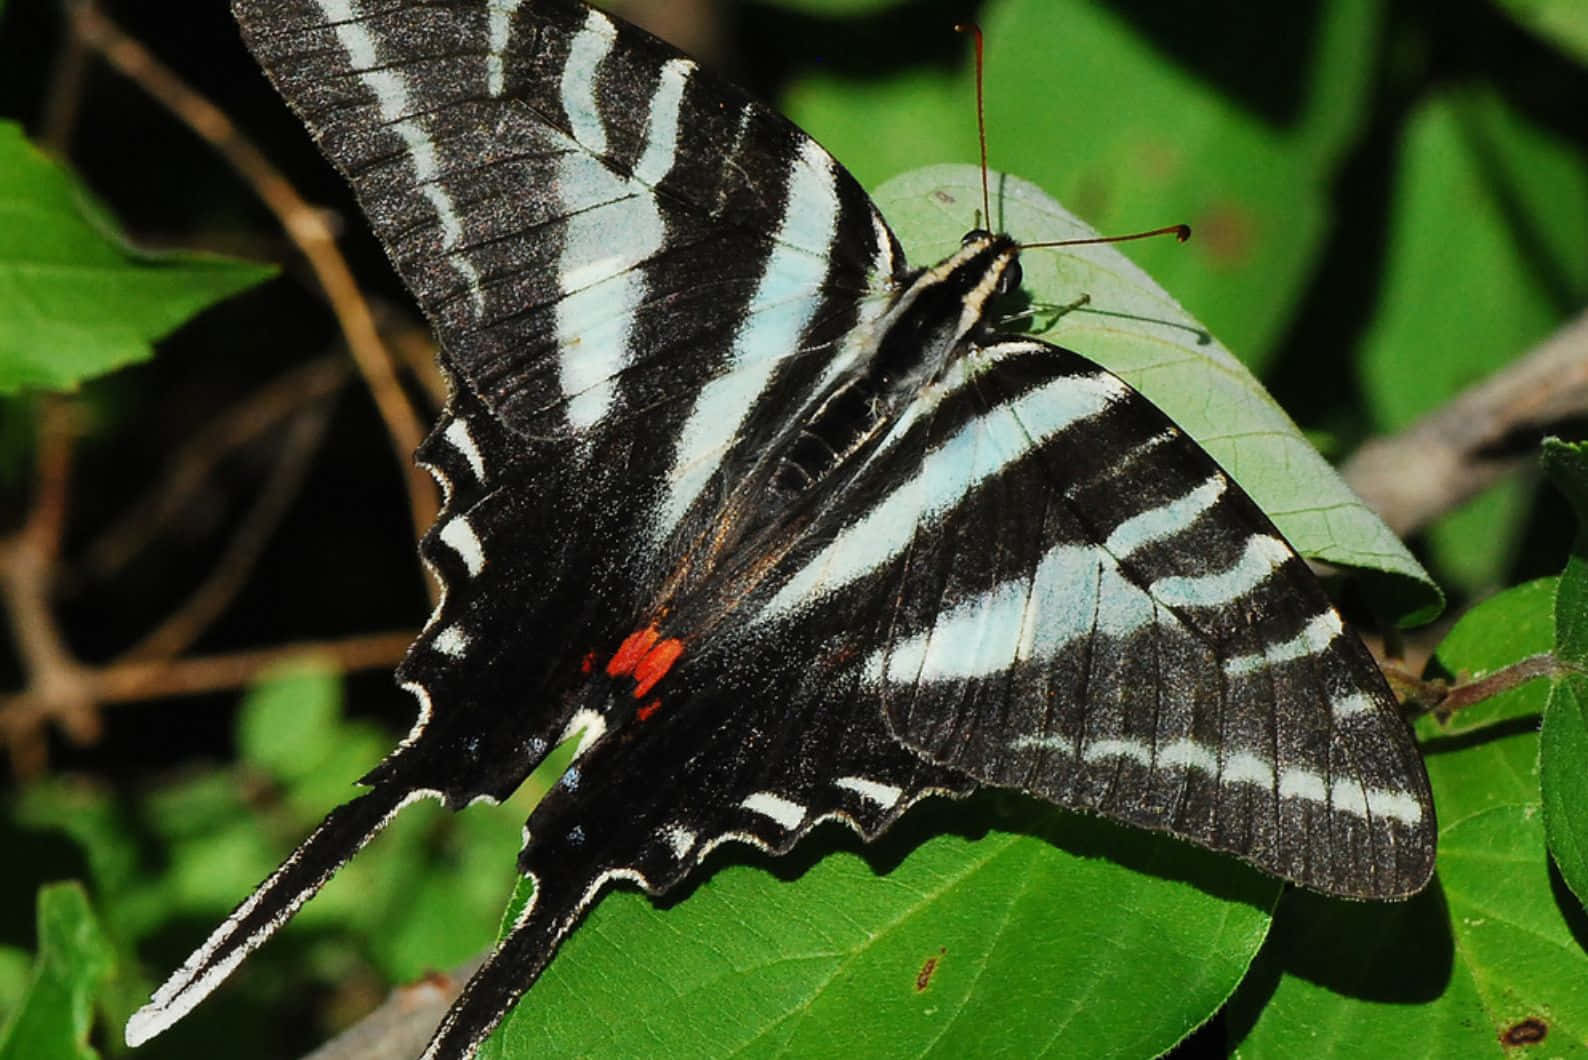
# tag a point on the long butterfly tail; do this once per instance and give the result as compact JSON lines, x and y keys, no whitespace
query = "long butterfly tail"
{"x":554,"y":910}
{"x":342,"y":834}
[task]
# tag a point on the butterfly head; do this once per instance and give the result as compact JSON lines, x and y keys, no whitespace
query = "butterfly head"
{"x":1009,"y":276}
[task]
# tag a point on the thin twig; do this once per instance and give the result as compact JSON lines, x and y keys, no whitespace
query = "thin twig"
{"x":230,"y":571}
{"x":67,"y":690}
{"x":1460,"y":448}
{"x":27,"y":570}
{"x":138,"y":680}
{"x":1444,"y":698}
{"x":59,"y":687}
{"x":192,"y":467}
{"x":63,"y":98}
{"x":56,"y":437}
{"x":304,"y":225}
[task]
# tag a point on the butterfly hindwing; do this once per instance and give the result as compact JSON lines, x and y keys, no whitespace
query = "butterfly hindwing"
{"x":1074,"y":600}
{"x":722,"y":760}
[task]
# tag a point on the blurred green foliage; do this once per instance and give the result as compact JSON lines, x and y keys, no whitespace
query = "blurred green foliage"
{"x":1390,"y":203}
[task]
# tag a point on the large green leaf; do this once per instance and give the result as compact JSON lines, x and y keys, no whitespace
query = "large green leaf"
{"x":1133,"y":327}
{"x":73,"y":961}
{"x":1488,"y":953}
{"x":1026,"y":944}
{"x":75,"y":300}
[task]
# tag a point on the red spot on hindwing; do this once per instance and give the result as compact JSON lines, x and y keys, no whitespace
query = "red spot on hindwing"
{"x":645,"y":656}
{"x":632,"y":650}
{"x":655,"y":665}
{"x":645,"y":712}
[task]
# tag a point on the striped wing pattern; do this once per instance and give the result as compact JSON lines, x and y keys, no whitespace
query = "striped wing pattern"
{"x":1071,"y":598}
{"x":777,"y":528}
{"x":622,"y":308}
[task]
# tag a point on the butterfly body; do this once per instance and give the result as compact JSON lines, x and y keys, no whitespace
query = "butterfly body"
{"x":779,"y":529}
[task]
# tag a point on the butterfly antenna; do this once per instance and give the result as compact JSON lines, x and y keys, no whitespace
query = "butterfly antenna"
{"x":981,"y":119}
{"x":1180,"y":232}
{"x":342,"y":834}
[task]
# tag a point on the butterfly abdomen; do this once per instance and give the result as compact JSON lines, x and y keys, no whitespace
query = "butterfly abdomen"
{"x":839,"y":426}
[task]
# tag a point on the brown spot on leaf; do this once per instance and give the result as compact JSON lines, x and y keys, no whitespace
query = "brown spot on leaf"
{"x":923,"y":978}
{"x":1526,"y":1032}
{"x":1227,"y":233}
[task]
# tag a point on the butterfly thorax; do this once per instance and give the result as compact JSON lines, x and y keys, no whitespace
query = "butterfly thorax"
{"x":927,"y":326}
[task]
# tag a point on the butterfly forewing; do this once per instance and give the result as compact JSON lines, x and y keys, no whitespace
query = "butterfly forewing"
{"x":775,"y":527}
{"x":636,"y":272}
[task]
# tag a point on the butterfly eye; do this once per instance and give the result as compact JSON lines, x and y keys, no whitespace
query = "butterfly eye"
{"x":1010,"y":280}
{"x":975,"y":235}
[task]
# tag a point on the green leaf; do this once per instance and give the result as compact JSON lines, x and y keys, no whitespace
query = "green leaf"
{"x":1519,"y":197}
{"x":1447,"y":974}
{"x":912,"y":950}
{"x":1083,"y":99}
{"x":288,"y":721}
{"x":1563,"y":776}
{"x":74,"y":959}
{"x":1341,"y":979}
{"x":1562,"y":22}
{"x":1133,"y":327}
{"x":1513,"y":936}
{"x":1563,"y":745}
{"x":75,"y":300}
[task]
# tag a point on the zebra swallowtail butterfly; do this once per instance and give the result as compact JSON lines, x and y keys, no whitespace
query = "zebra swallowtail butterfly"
{"x":779,"y":528}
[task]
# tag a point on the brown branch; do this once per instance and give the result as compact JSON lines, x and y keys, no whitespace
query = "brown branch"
{"x":55,"y":439}
{"x":304,"y":225}
{"x":60,"y":688}
{"x":1444,"y":698}
{"x":137,"y":680}
{"x":694,"y":26}
{"x":1459,"y":449}
{"x":403,"y":1023}
{"x":66,"y":689}
{"x":63,"y":98}
{"x":196,"y":461}
{"x":231,"y":570}
{"x":27,"y":570}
